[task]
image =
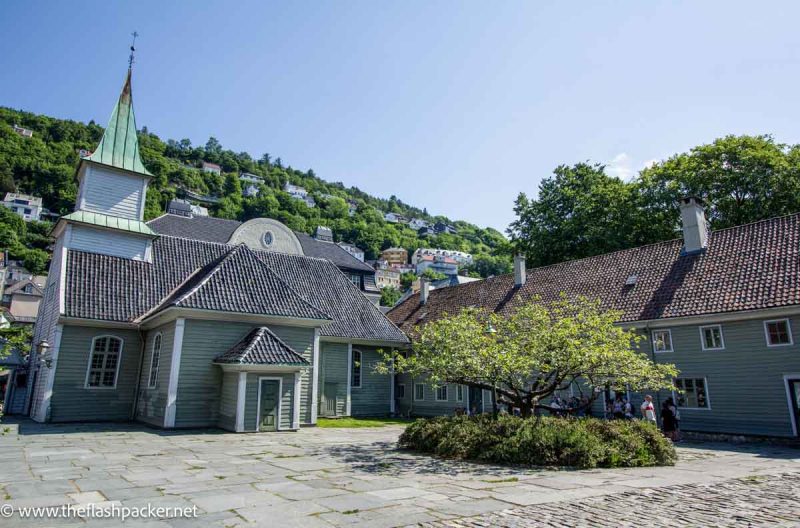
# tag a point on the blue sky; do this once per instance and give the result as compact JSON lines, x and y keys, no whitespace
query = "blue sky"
{"x":453,"y":106}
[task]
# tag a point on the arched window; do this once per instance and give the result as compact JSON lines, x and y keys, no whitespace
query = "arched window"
{"x":104,"y":361}
{"x":155,"y":356}
{"x":355,"y":377}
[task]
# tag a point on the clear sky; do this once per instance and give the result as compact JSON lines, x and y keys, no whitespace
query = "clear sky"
{"x":456,"y":106}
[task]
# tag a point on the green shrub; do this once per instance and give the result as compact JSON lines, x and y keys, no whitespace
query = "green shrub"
{"x":541,"y":441}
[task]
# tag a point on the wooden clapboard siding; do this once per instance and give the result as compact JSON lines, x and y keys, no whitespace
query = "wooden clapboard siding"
{"x":302,"y":341}
{"x":429,"y":406}
{"x":200,"y":381}
{"x":251,"y":404}
{"x":113,"y":193}
{"x":744,"y":381}
{"x":153,"y":402}
{"x":118,"y":244}
{"x":333,"y":369}
{"x":228,"y":400}
{"x":372,"y":398}
{"x":71,"y":400}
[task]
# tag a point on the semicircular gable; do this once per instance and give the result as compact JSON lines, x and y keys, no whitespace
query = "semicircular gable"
{"x":267,"y":234}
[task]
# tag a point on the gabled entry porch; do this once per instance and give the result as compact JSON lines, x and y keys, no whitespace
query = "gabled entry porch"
{"x":260,"y":384}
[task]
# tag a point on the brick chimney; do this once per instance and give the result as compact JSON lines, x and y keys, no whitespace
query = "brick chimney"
{"x":520,"y":274}
{"x":424,"y":290}
{"x":695,"y":228}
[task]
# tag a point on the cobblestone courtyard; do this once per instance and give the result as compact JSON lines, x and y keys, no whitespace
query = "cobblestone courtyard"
{"x":341,"y":477}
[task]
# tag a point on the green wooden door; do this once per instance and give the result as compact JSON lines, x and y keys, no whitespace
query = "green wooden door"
{"x":268,"y":405}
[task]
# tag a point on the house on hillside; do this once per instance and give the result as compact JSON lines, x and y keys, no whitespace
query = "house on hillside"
{"x":28,"y":207}
{"x":395,"y":256}
{"x":212,"y":168}
{"x":723,"y":306}
{"x":22,"y":131}
{"x":462,"y":258}
{"x":353,"y":250}
{"x":196,"y":321}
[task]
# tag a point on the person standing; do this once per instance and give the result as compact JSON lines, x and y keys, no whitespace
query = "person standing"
{"x":668,"y":419}
{"x":648,"y":410}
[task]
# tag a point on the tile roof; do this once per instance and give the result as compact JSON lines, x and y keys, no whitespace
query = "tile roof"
{"x":116,"y":289}
{"x":748,"y":267}
{"x":240,"y":282}
{"x":331,"y":251}
{"x":205,"y":228}
{"x":261,"y":347}
{"x":220,"y":230}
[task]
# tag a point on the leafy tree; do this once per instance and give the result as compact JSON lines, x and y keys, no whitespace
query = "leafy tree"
{"x":390,"y":296}
{"x":742,"y":179}
{"x":407,"y":278}
{"x":433,"y":275}
{"x":580,"y":211}
{"x":526,"y":356}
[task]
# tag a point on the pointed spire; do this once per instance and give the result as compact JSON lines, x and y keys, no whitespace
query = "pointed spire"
{"x":120,"y":145}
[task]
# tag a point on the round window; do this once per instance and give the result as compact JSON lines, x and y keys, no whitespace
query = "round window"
{"x":268,"y":238}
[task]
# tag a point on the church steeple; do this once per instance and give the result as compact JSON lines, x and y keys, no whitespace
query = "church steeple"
{"x":109,"y":211}
{"x":119,"y":146}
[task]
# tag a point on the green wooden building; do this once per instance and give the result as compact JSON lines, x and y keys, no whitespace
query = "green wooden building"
{"x":160,"y":324}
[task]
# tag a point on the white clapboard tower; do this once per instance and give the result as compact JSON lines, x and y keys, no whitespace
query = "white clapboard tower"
{"x":108,"y":219}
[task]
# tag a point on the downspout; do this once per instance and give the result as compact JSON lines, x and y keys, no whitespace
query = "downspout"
{"x":138,"y":374}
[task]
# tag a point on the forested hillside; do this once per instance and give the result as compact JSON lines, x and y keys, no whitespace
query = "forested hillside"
{"x":45,"y":164}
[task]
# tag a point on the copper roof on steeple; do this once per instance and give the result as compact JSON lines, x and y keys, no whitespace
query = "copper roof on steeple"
{"x":120,"y":146}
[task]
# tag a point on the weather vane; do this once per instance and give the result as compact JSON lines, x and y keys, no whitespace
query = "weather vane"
{"x":133,"y":43}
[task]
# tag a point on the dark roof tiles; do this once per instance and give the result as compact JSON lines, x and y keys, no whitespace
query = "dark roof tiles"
{"x":110,"y":288}
{"x":753,"y":266}
{"x":261,"y":347}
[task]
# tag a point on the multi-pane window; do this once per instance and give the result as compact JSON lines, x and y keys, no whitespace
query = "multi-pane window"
{"x":401,"y":391}
{"x":419,"y":391}
{"x":355,"y":279}
{"x":778,"y":332}
{"x":104,"y":362}
{"x":662,"y":341}
{"x":711,"y":337}
{"x":155,"y":357}
{"x":441,"y":393}
{"x":692,"y":393}
{"x":355,"y":378}
{"x":460,"y":392}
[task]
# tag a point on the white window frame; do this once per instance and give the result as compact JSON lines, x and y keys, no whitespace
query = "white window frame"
{"x":152,"y":379}
{"x":653,"y":340}
{"x":415,"y":392}
{"x":703,"y":337}
{"x":353,"y":368}
{"x":443,"y":387}
{"x":788,"y":330}
{"x":705,"y":386}
{"x":460,"y":392}
{"x":403,"y":396}
{"x":91,"y":356}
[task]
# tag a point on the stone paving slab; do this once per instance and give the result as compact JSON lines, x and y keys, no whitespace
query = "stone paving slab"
{"x":351,"y":477}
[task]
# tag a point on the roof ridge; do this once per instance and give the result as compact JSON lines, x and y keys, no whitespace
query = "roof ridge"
{"x":213,"y":270}
{"x":610,"y":253}
{"x":279,"y":279}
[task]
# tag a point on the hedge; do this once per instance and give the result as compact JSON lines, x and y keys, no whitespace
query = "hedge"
{"x":541,"y":441}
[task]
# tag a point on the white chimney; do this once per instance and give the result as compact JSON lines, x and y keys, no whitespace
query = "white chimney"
{"x":695,"y":230}
{"x":520,"y":274}
{"x":424,"y":291}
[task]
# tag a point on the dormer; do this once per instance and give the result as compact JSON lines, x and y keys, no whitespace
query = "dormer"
{"x":109,"y":210}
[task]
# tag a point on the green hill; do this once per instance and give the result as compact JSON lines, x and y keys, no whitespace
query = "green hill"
{"x":45,"y":164}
